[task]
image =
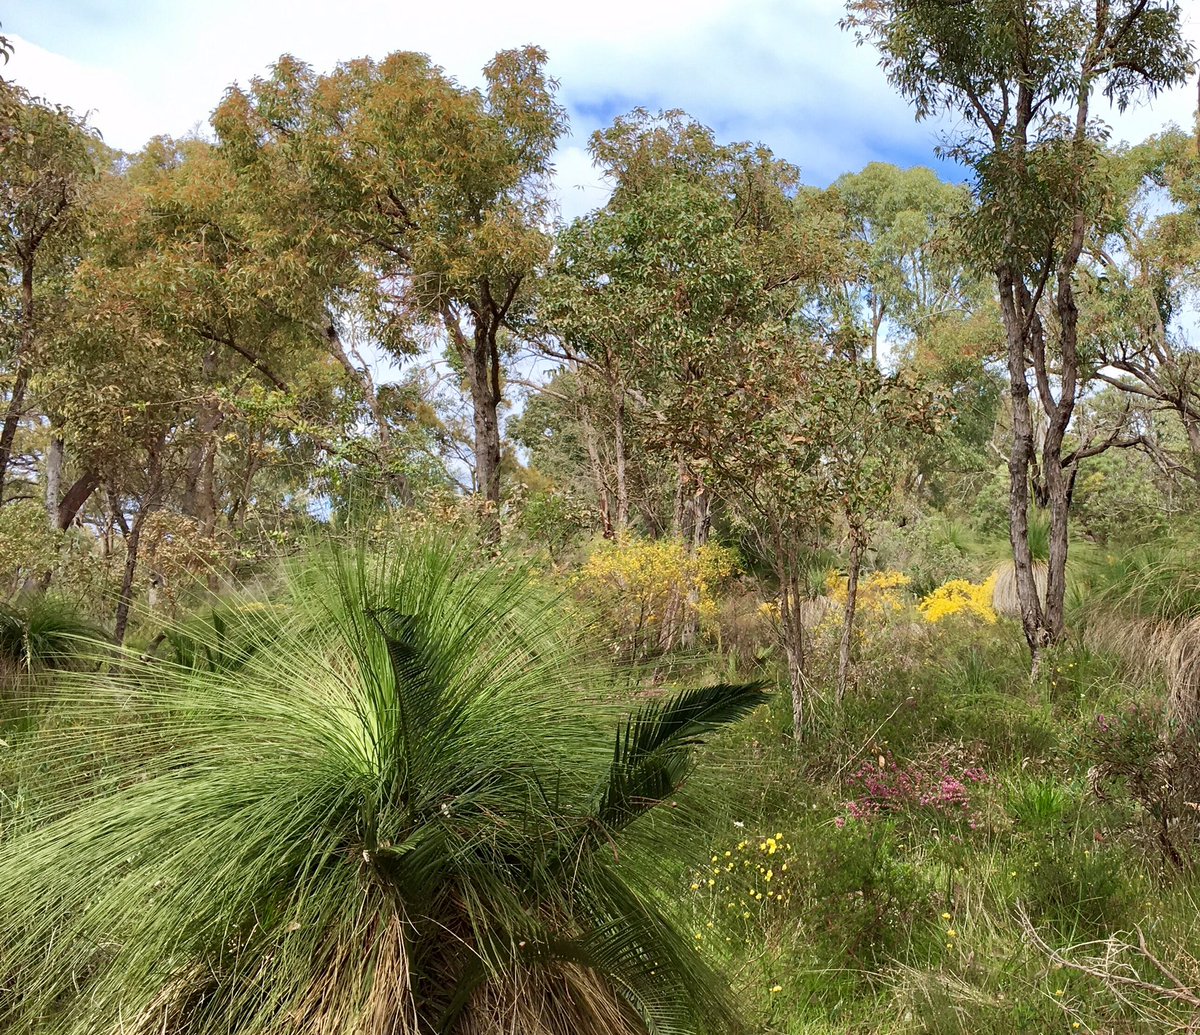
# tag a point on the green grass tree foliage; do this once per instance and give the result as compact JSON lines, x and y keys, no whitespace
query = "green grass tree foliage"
{"x":43,"y":631}
{"x":394,"y":804}
{"x":1023,"y":75}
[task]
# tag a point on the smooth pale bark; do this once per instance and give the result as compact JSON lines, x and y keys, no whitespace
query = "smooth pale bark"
{"x":55,"y":457}
{"x":1021,"y":454}
{"x":1025,"y":335}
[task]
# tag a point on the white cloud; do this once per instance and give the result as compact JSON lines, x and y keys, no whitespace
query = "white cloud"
{"x":779,"y":71}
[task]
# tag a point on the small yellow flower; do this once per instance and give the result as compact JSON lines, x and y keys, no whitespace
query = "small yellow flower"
{"x":945,"y":916}
{"x":695,"y":886}
{"x":1058,"y":991}
{"x":776,"y":988}
{"x":699,"y":937}
{"x":951,"y":933}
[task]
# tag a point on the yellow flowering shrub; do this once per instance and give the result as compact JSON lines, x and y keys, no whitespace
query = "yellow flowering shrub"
{"x":960,"y":597}
{"x":643,"y":583}
{"x":881,"y":594}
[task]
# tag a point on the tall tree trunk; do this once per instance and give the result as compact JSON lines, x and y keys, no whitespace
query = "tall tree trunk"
{"x":791,"y":629}
{"x":481,"y":360}
{"x":198,"y":501}
{"x":61,"y":512}
{"x":16,"y":403}
{"x":603,"y":500}
{"x":700,"y":506}
{"x":54,"y":468}
{"x":125,"y":597}
{"x":150,"y":503}
{"x":1021,"y":456}
{"x":1192,"y":427}
{"x":844,"y":650}
{"x":485,"y":400}
{"x":679,"y":512}
{"x":76,"y":496}
{"x":619,"y":450}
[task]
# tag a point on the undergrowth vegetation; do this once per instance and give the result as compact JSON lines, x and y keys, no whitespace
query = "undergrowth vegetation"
{"x":954,"y":849}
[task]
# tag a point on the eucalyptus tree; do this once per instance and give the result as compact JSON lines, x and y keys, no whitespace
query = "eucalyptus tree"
{"x":439,"y":193}
{"x":875,"y":427}
{"x":900,"y":223}
{"x":696,"y":277}
{"x":48,"y":160}
{"x":1145,"y":265}
{"x":1021,"y":75}
{"x":123,"y":389}
{"x":696,"y":245}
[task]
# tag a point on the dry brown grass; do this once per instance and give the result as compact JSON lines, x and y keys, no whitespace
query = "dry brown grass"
{"x":1004,"y":596}
{"x":1183,"y":672}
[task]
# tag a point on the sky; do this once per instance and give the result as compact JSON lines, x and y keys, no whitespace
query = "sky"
{"x":779,"y":72}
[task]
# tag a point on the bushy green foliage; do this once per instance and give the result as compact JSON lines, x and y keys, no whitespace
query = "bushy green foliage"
{"x":392,"y":807}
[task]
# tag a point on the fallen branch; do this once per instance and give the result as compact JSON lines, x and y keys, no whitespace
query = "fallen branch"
{"x":1114,"y":966}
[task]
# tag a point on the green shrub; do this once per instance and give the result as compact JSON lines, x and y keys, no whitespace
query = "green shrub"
{"x":1078,"y":892}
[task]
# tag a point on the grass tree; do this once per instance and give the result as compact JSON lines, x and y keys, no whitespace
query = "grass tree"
{"x":390,"y":802}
